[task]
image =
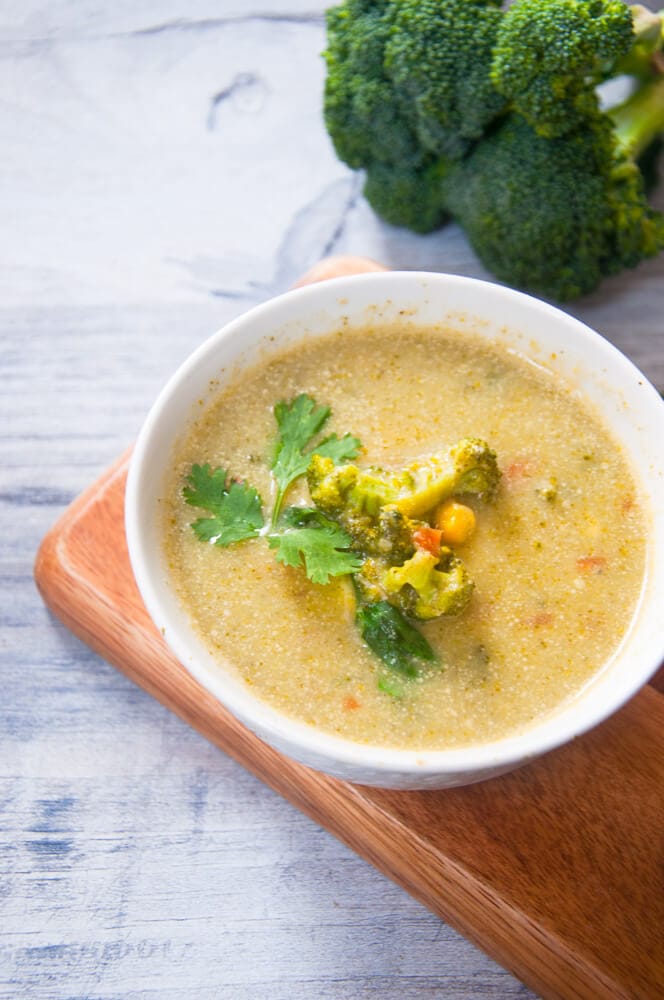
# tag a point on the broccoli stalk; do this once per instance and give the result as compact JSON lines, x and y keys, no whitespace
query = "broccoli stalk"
{"x":639,"y":120}
{"x":645,"y":56}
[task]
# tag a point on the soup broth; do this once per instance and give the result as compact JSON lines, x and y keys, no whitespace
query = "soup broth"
{"x":557,"y":558}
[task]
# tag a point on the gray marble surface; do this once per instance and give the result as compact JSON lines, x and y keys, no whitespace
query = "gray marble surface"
{"x":163,"y":168}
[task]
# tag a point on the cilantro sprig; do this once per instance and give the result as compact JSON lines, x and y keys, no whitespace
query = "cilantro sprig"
{"x":304,"y":536}
{"x":298,"y":424}
{"x":308,"y":537}
{"x":235,"y":507}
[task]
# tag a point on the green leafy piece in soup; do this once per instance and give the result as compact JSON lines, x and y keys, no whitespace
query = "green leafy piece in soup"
{"x":461,"y":567}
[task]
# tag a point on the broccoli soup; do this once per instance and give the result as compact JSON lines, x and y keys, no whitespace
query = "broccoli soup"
{"x":405,"y":537}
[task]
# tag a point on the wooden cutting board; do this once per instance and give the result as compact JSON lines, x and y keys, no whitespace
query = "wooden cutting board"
{"x":555,"y":870}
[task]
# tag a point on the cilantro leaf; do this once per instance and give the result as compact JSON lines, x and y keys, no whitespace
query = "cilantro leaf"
{"x":308,"y":536}
{"x":235,"y":507}
{"x":392,"y":638}
{"x":336,"y":448}
{"x":298,"y":422}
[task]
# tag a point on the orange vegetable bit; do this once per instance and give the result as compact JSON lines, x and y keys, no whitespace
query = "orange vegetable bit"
{"x":455,"y":521}
{"x":428,"y":539}
{"x":591,"y":564}
{"x":522,"y":467}
{"x":541,"y":619}
{"x":350,"y":703}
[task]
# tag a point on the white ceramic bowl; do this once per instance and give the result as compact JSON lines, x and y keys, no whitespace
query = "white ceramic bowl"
{"x":629,"y":405}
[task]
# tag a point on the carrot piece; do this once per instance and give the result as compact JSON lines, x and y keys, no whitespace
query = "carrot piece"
{"x":539,"y":619}
{"x":428,"y":539}
{"x":350,"y":703}
{"x":520,"y":468}
{"x":591,"y":564}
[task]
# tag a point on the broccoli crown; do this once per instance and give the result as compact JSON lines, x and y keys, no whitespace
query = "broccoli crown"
{"x":407,"y":196}
{"x":406,"y":83}
{"x":410,"y":79}
{"x":550,"y":55}
{"x":352,"y":497}
{"x":336,"y":489}
{"x":553,"y":215}
{"x":364,"y":120}
{"x":469,"y":466}
{"x":428,"y":586}
{"x":438,"y":58}
{"x":424,"y":586}
{"x":364,"y":501}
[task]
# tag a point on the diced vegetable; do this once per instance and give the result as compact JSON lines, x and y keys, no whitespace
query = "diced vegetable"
{"x":456,"y":522}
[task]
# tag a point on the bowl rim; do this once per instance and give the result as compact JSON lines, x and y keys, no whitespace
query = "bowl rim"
{"x":304,"y":741}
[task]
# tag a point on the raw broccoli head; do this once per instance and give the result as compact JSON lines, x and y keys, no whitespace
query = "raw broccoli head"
{"x":553,"y":215}
{"x":551,"y":54}
{"x":438,"y":59}
{"x":364,"y":120}
{"x":406,"y":83}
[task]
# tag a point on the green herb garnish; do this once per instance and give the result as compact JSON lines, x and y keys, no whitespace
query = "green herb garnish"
{"x":299,"y":422}
{"x":308,"y":536}
{"x":235,"y":506}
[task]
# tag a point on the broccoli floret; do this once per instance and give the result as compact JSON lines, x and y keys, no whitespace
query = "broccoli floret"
{"x":438,"y":58}
{"x":551,"y":54}
{"x":393,"y":537}
{"x":340,"y":488}
{"x":407,"y":196}
{"x":364,"y":120}
{"x":555,"y":215}
{"x":385,"y":515}
{"x":425,"y":586}
{"x":360,"y":501}
{"x":469,"y":466}
{"x":407,"y":82}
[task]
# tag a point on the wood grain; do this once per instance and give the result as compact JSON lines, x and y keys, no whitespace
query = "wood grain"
{"x":556,"y":870}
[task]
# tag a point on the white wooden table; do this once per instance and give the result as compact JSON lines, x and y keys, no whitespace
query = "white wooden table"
{"x":164,"y":167}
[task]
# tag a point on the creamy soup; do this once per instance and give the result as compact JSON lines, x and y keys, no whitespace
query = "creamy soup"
{"x":557,"y":558}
